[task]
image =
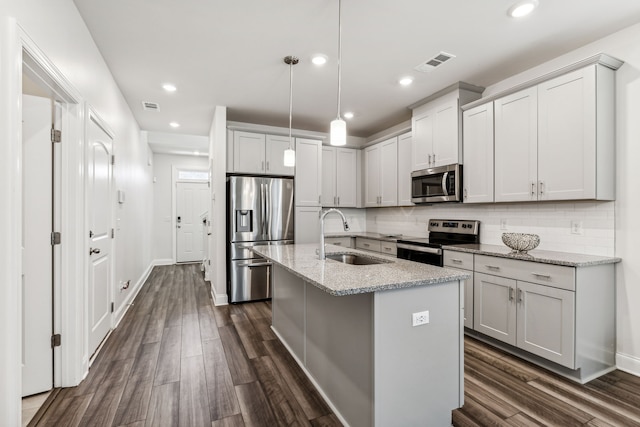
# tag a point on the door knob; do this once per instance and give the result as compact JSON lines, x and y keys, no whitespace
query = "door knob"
{"x":94,"y":251}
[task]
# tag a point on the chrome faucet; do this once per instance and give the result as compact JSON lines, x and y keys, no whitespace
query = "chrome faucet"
{"x":321,"y":254}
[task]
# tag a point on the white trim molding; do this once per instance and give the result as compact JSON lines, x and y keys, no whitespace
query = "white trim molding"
{"x":628,"y":363}
{"x":219,"y":299}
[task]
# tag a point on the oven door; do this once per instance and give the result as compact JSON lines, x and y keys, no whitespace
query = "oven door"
{"x":422,"y":254}
{"x":441,"y":184}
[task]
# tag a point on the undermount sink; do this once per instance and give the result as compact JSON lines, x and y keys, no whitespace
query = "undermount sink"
{"x":355,"y":259}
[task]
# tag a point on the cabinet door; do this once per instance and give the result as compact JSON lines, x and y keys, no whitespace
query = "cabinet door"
{"x":275,"y":147}
{"x":249,"y":152}
{"x":329,"y":197}
{"x":307,"y":224}
{"x":372,"y":175}
{"x":516,"y":140}
{"x":346,"y":177}
{"x":308,"y":172}
{"x":446,"y":138}
{"x":422,"y":143}
{"x":389,"y":172}
{"x":567,"y":136}
{"x":404,"y":170}
{"x":477,"y":175}
{"x":468,"y":301}
{"x":546,"y":322}
{"x":494,"y":308}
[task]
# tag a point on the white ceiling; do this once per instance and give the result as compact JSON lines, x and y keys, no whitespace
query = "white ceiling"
{"x":221,"y":52}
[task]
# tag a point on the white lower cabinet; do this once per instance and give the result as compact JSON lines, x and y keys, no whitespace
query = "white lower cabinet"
{"x":464,"y":262}
{"x":345,"y":242}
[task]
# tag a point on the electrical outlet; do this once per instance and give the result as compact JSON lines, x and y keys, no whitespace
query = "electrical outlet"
{"x":421,"y":318}
{"x":576,"y":227}
{"x":503,"y":224}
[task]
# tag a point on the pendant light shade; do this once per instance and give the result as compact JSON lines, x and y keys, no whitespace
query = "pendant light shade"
{"x":338,"y":131}
{"x":289,"y":153}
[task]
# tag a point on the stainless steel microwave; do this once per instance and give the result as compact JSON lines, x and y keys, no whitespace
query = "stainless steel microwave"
{"x":434,"y":185}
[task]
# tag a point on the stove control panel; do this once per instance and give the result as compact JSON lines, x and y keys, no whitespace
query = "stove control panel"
{"x":454,"y":226}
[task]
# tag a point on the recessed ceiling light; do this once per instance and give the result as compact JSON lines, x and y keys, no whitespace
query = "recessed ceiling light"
{"x":174,"y":124}
{"x":406,"y":81}
{"x":522,"y":8}
{"x":348,"y":115}
{"x":319,"y":59}
{"x":169,"y":87}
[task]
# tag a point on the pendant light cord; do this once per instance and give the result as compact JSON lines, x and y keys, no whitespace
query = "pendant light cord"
{"x":339,"y":53}
{"x":290,"y":99}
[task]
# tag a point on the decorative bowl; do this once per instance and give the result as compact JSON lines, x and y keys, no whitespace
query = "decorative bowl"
{"x":521,"y":242}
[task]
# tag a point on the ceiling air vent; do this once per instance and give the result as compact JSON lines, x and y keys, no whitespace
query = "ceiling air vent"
{"x":431,"y":63}
{"x":150,"y":106}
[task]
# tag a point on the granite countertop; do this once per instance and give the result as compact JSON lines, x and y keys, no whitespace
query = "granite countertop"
{"x":545,"y":257}
{"x":368,"y":235}
{"x":340,"y":279}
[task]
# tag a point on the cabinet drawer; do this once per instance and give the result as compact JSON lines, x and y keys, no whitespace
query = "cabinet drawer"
{"x":368,"y":244}
{"x":458,"y":260}
{"x":556,"y":276}
{"x":388,"y":248}
{"x":339,"y":241}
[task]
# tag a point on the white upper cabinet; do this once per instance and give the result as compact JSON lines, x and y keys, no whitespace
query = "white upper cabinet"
{"x":339,"y":177}
{"x":555,"y":140}
{"x":275,"y":148}
{"x":258,"y":153}
{"x":381,"y":173}
{"x":308,"y":177}
{"x":477,"y":174}
{"x":516,"y":139}
{"x":249,"y":152}
{"x":436,"y":124}
{"x":404,"y":169}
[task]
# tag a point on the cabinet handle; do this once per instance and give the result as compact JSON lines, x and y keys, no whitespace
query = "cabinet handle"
{"x":387,"y":249}
{"x":544,"y":276}
{"x":510,"y":293}
{"x":520,"y":295}
{"x":456,"y":260}
{"x":541,"y":187}
{"x":533,"y":188}
{"x":267,"y":164}
{"x":338,"y":200}
{"x":334,"y":200}
{"x":366,"y":245}
{"x":337,"y":243}
{"x":262,"y":167}
{"x":320,"y":199}
{"x":429,"y":159}
{"x":434,"y":158}
{"x":493,"y":267}
{"x":466,"y":194}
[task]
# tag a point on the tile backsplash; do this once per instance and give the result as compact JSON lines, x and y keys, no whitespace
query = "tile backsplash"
{"x":580,"y":227}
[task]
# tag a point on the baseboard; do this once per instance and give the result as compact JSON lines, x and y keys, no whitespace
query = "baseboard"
{"x":164,"y":261}
{"x":219,"y":299}
{"x":628,"y":363}
{"x":120,"y":312}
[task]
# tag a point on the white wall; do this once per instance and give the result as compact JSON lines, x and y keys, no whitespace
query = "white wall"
{"x":57,"y":29}
{"x":163,"y":230}
{"x":551,"y":221}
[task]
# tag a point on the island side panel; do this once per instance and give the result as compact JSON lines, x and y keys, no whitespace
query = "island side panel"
{"x":288,"y":317}
{"x":339,"y":351}
{"x":418,"y":369}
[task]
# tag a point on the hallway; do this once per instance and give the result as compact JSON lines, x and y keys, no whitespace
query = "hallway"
{"x":175,"y":359}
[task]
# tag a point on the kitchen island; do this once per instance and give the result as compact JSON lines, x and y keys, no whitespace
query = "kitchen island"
{"x":350,"y":327}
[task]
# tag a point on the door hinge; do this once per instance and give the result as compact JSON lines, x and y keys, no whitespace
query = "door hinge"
{"x":113,"y":233}
{"x":55,"y":238}
{"x":113,"y":307}
{"x":56,"y":135}
{"x":56,"y":339}
{"x":113,"y":159}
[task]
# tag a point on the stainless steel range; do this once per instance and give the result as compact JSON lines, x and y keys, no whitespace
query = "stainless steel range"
{"x":442,"y":232}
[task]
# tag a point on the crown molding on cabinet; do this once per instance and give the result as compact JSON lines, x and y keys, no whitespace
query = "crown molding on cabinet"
{"x":446,"y":90}
{"x":601,"y":58}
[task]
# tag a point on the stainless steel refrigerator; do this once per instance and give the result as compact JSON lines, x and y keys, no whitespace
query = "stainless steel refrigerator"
{"x":259,"y":211}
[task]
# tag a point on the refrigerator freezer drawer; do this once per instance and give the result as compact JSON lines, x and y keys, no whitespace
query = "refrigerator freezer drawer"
{"x":251,"y":280}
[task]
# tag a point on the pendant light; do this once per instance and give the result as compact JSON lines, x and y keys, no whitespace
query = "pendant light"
{"x":338,"y":132}
{"x":289,"y":153}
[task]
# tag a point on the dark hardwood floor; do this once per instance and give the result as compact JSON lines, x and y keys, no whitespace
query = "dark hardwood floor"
{"x":177,"y":360}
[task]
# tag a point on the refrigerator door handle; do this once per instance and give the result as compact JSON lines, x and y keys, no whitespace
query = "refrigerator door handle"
{"x":262,"y":210}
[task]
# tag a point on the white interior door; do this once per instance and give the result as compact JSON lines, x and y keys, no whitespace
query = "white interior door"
{"x":99,"y":171}
{"x":37,"y":254}
{"x":191,"y":209}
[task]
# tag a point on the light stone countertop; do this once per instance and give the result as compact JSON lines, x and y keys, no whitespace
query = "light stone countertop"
{"x":567,"y":259}
{"x":369,"y":235}
{"x":340,"y":279}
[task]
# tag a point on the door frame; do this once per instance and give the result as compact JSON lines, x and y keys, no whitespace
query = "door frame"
{"x":91,"y":115}
{"x":18,"y":52}
{"x":174,"y":199}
